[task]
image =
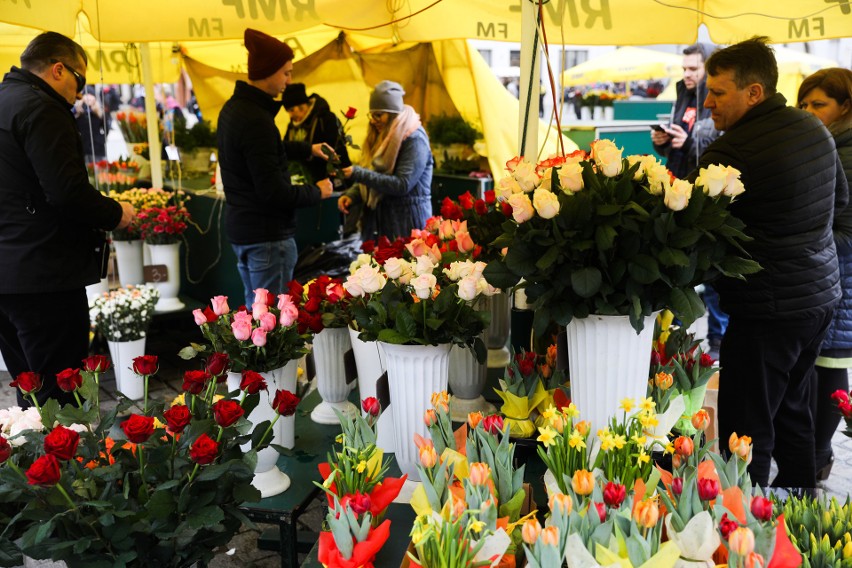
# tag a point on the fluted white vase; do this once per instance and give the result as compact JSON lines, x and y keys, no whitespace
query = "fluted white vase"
{"x":128,"y":255}
{"x":466,"y":379}
{"x":608,"y":362}
{"x":122,"y":354}
{"x":370,"y":363}
{"x":268,"y":479}
{"x":169,"y":287}
{"x":329,"y":347}
{"x":414,"y":373}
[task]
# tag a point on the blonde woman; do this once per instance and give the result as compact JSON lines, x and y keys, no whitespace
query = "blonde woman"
{"x":393,"y":182}
{"x":827,"y":94}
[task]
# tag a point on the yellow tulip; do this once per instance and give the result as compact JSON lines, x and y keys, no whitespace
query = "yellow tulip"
{"x":740,"y":445}
{"x":583,"y":482}
{"x":647,"y":513}
{"x":741,"y":541}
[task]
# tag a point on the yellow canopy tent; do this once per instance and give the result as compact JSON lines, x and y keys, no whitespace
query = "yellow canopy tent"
{"x":624,"y":64}
{"x":439,"y":77}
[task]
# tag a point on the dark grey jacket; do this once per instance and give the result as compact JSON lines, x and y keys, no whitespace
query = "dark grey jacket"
{"x":793,"y":184}
{"x":683,"y":160}
{"x":51,"y":218}
{"x":260,"y":201}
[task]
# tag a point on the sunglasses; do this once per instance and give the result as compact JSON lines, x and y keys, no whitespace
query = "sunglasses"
{"x":81,"y":79}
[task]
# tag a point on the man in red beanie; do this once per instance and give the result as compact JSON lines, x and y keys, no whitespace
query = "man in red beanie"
{"x":260,"y":201}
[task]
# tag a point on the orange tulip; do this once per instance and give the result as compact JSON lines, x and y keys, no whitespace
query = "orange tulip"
{"x":531,"y":531}
{"x":561,"y":503}
{"x":428,"y":456}
{"x":647,"y":513}
{"x":430,"y":417}
{"x":474,"y":418}
{"x":441,"y":401}
{"x":740,"y":445}
{"x":741,"y":541}
{"x":684,"y":446}
{"x":701,"y":420}
{"x":664,"y":381}
{"x":479,"y":473}
{"x":583,"y":482}
{"x":583,"y":427}
{"x":550,"y":536}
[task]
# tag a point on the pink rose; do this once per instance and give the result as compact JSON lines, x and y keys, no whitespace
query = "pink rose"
{"x":243,"y":317}
{"x":258,"y":309}
{"x":464,"y":241}
{"x":260,"y":296}
{"x":289,"y":311}
{"x":267,"y":321}
{"x":417,"y":247}
{"x":242,"y":330}
{"x":258,"y":337}
{"x":284,"y":300}
{"x":200,"y":318}
{"x":220,"y":305}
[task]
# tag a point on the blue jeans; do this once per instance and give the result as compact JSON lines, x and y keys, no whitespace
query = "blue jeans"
{"x":717,"y":320}
{"x":266,"y":265}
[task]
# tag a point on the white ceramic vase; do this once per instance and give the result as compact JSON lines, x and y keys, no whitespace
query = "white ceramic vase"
{"x":597,"y":113}
{"x":497,"y":333}
{"x":329,"y":346}
{"x":128,"y":255}
{"x":268,"y":479}
{"x":608,"y":362}
{"x":168,"y":255}
{"x":585,"y":113}
{"x":609,"y":113}
{"x":370,"y":363}
{"x":122,"y":354}
{"x":414,"y":373}
{"x":466,"y":379}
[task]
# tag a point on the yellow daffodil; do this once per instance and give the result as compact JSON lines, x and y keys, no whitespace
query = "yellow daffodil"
{"x":571,"y":411}
{"x":640,"y":440}
{"x":477,"y":526}
{"x":619,"y":441}
{"x":648,"y":404}
{"x":362,"y":465}
{"x":607,"y":443}
{"x":642,"y":457}
{"x":549,"y":413}
{"x":547,"y":436}
{"x":627,"y":404}
{"x":670,"y":448}
{"x":576,"y":440}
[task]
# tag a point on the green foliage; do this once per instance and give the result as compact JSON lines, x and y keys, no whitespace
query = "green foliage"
{"x":447,"y":129}
{"x":821,"y":529}
{"x":201,"y":135}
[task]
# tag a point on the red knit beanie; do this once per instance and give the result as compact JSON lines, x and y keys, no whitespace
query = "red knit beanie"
{"x":266,"y":54}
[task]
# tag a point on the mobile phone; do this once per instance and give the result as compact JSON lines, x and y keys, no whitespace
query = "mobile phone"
{"x":658,"y":128}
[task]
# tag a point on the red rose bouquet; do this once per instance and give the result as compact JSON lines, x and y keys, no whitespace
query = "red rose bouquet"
{"x":323,"y":302}
{"x":265,"y":338}
{"x":484,"y":217}
{"x":140,"y":485}
{"x":163,"y":225}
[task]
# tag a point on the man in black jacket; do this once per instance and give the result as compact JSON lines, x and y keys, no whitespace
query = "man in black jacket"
{"x":260,"y":201}
{"x":793,"y":184}
{"x":51,"y":219}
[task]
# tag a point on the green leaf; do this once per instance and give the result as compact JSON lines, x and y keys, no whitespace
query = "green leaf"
{"x":673,"y":257}
{"x":161,"y":505}
{"x":392,"y":336}
{"x":205,"y":517}
{"x":547,"y":260}
{"x":405,"y":324}
{"x":521,"y":259}
{"x":686,"y":304}
{"x":734,"y":266}
{"x":586,"y":282}
{"x":644,"y":269}
{"x":189,"y":352}
{"x":605,"y":237}
{"x":498,"y":275}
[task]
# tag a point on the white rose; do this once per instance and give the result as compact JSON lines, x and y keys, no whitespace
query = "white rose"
{"x":485,"y":288}
{"x":608,"y":157}
{"x":522,"y":207}
{"x":453,"y":272}
{"x":506,"y":187}
{"x":526,"y":176}
{"x":468,"y":289}
{"x":353,"y":285}
{"x":713,"y":179}
{"x":734,"y":186}
{"x":658,"y":178}
{"x":423,"y":285}
{"x":678,"y":194}
{"x":546,"y":179}
{"x":571,"y":177}
{"x":424,"y":266}
{"x":479,"y":268}
{"x":396,"y":267}
{"x":546,"y":203}
{"x":359,"y":262}
{"x":372,"y":280}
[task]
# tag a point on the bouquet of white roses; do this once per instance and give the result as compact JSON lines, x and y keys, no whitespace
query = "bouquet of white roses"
{"x":124,"y":314}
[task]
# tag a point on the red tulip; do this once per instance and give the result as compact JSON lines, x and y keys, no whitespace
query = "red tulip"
{"x":707,"y":489}
{"x":614,"y":494}
{"x":761,"y":508}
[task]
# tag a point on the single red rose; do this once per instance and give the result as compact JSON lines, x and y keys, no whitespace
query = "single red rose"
{"x":285,"y":403}
{"x":727,"y":526}
{"x":450,"y":210}
{"x":226,"y":412}
{"x":209,"y":314}
{"x":44,"y":471}
{"x":28,"y":382}
{"x":350,"y":113}
{"x":69,"y":380}
{"x":194,"y":381}
{"x":204,"y":450}
{"x":677,"y":485}
{"x":5,"y":449}
{"x":840,"y":395}
{"x":614,"y":494}
{"x":312,"y":305}
{"x":371,"y":406}
{"x":466,"y":200}
{"x":480,"y":207}
{"x":368,"y":246}
{"x":145,"y":365}
{"x":62,"y":442}
{"x":252,"y":382}
{"x":453,"y":245}
{"x":218,"y":364}
{"x":506,"y":209}
{"x":177,"y":418}
{"x":138,"y":428}
{"x":708,"y":489}
{"x":761,"y":508}
{"x":96,"y":364}
{"x":490,"y":196}
{"x":295,"y":290}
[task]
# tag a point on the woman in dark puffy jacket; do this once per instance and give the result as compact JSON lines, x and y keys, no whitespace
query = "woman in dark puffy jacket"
{"x":393,"y":184}
{"x":827,"y":94}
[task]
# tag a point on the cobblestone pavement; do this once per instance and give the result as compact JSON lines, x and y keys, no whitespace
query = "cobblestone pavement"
{"x":245,"y":553}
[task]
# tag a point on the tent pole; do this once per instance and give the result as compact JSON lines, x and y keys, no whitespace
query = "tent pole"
{"x":154,"y":143}
{"x":530,"y":78}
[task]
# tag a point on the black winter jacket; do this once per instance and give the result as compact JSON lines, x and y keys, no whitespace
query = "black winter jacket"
{"x":793,"y":184}
{"x":320,"y":125}
{"x":260,"y":201}
{"x":51,"y":218}
{"x":683,"y":160}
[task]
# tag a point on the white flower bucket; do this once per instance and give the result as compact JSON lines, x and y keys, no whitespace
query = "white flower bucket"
{"x":329,"y":347}
{"x":268,"y":479}
{"x":370,"y":362}
{"x":168,"y":255}
{"x":466,"y":379}
{"x":128,"y":255}
{"x":97,"y":289}
{"x":608,"y":362}
{"x":122,"y":354}
{"x":497,"y":332}
{"x":414,"y":373}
